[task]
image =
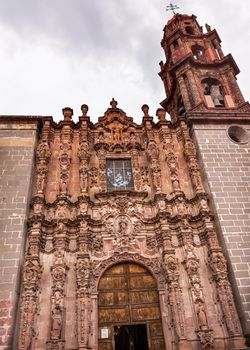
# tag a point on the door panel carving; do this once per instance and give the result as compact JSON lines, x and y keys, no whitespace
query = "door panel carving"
{"x":141,"y":282}
{"x":148,"y":313}
{"x":113,"y":282}
{"x":112,"y":315}
{"x":113,"y":298}
{"x":128,"y":296}
{"x":144,"y":297}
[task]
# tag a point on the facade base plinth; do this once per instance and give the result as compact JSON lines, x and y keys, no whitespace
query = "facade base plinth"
{"x":184,"y":344}
{"x":237,"y":342}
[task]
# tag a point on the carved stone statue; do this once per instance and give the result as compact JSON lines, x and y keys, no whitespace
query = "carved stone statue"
{"x":56,"y":323}
{"x":202,"y":317}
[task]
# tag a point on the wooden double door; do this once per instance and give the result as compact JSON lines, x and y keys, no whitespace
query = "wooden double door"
{"x":129,"y":315}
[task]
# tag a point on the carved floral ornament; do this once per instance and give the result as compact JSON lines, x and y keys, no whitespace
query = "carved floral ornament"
{"x":218,"y":263}
{"x":83,"y":151}
{"x":43,"y":150}
{"x":58,"y":273}
{"x":32,"y":272}
{"x":206,"y":339}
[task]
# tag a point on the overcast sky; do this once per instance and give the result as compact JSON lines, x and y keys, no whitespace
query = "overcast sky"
{"x":57,"y":53}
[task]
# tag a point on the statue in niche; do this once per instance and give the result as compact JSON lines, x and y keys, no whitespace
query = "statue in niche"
{"x":123,"y":226}
{"x":202,"y":317}
{"x":132,"y":138}
{"x":152,"y":150}
{"x":84,"y":177}
{"x":122,"y":232}
{"x":116,"y":135}
{"x":57,"y":297}
{"x":56,"y":323}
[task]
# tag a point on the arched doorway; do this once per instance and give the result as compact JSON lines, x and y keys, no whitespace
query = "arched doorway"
{"x":129,"y":316}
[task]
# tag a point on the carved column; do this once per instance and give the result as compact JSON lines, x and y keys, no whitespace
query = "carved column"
{"x":172,"y":49}
{"x":83,"y":300}
{"x":31,"y":277}
{"x":194,"y":88}
{"x":32,"y":268}
{"x":83,"y":293}
{"x":218,"y":266}
{"x":101,"y":154}
{"x":192,"y":266}
{"x":234,"y":87}
{"x":83,"y":154}
{"x":175,"y":299}
{"x":184,"y":93}
{"x":153,"y":157}
{"x":65,"y":151}
{"x":58,"y":272}
{"x":94,"y":323}
{"x":191,"y":159}
{"x":43,"y":154}
{"x":83,"y":151}
{"x":136,"y":169}
{"x":171,"y":161}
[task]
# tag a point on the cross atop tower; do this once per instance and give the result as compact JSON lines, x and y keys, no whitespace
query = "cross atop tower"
{"x":172,"y":7}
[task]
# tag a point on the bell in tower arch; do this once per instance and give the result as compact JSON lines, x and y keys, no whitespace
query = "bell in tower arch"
{"x":214,"y":89}
{"x":215,"y":92}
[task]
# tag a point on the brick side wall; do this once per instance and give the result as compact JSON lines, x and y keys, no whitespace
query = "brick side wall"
{"x":227,"y":168}
{"x":17,"y":142}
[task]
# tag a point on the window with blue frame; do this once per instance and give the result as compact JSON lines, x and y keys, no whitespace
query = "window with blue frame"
{"x":119,"y":174}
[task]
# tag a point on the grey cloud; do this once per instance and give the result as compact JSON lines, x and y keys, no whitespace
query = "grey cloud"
{"x":76,"y":24}
{"x":87,"y":28}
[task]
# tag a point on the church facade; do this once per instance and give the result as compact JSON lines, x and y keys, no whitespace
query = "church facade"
{"x":125,"y":236}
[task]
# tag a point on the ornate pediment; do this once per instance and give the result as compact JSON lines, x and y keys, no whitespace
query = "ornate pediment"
{"x":115,"y":119}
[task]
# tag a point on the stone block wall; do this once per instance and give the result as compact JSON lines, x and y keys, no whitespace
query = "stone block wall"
{"x":226,"y":166}
{"x":17,"y":143}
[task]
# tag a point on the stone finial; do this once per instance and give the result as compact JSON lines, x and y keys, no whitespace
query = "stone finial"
{"x":67,"y":113}
{"x":113,"y":103}
{"x":145,"y":109}
{"x":84,"y":109}
{"x":161,"y":114}
{"x":208,"y":27}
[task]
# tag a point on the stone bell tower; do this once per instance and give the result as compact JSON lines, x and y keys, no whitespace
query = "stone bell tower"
{"x":202,"y":90}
